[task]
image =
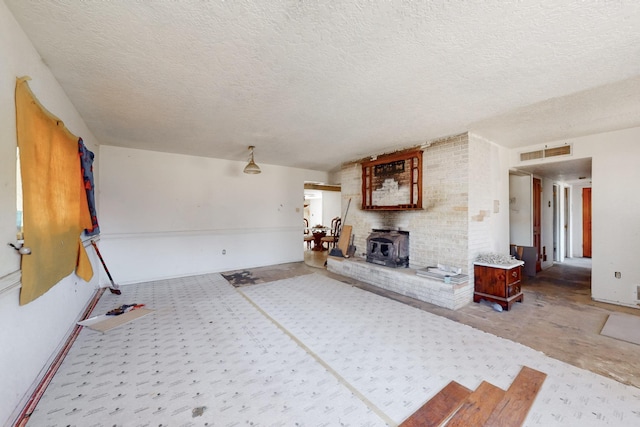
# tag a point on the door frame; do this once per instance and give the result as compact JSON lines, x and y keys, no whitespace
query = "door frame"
{"x":562,"y":222}
{"x":586,"y":222}
{"x":537,"y":220}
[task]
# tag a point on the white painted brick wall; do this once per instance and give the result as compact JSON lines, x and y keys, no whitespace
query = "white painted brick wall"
{"x":439,"y":232}
{"x":461,"y":180}
{"x":485,"y":176}
{"x":405,"y":282}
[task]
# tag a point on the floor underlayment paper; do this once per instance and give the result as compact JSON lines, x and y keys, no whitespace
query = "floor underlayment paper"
{"x":305,"y":351}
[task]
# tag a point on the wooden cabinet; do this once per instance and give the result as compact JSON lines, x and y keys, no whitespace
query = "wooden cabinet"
{"x":498,"y":283}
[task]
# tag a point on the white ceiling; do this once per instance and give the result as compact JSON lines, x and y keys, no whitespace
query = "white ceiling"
{"x":576,"y":171}
{"x":315,"y":83}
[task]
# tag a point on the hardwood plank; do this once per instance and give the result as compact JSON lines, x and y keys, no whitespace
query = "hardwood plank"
{"x":514,"y":406}
{"x":343,"y":240}
{"x":440,"y":407}
{"x":478,"y":406}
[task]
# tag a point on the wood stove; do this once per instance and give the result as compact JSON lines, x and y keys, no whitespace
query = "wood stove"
{"x":388,"y":247}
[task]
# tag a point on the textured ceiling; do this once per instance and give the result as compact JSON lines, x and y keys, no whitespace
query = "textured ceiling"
{"x":314,"y":83}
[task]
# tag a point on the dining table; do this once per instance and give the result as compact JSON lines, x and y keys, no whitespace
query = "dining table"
{"x":318,"y":234}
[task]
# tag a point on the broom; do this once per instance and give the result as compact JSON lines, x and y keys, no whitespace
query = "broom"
{"x":113,"y":288}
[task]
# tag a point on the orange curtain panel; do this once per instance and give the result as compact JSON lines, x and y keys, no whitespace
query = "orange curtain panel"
{"x":54,"y":199}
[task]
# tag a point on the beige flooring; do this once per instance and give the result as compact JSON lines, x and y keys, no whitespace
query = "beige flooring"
{"x":558,"y":317}
{"x":291,"y":344}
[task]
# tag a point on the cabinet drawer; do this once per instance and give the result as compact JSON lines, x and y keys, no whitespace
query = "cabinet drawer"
{"x":513,"y":275}
{"x":513,"y":290}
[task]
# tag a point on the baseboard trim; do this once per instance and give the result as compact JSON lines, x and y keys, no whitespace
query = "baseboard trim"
{"x":10,"y":281}
{"x":43,"y":383}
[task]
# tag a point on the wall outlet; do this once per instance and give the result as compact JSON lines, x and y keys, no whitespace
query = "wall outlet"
{"x":224,"y":252}
{"x":617,"y":275}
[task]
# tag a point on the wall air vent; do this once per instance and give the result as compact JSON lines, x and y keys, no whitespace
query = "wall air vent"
{"x":557,"y":151}
{"x":563,"y":150}
{"x":532,"y":155}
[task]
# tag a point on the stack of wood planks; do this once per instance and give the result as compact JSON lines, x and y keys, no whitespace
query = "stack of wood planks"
{"x":490,"y":406}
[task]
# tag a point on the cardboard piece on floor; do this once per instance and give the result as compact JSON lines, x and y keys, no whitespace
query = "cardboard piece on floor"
{"x":345,"y":237}
{"x":625,"y":327}
{"x":529,"y":256}
{"x":103,"y":323}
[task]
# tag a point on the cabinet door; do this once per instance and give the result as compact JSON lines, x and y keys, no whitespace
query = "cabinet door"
{"x":513,"y":290}
{"x":490,"y":280}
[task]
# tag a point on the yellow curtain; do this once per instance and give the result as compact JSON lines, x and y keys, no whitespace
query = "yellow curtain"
{"x":54,"y":200}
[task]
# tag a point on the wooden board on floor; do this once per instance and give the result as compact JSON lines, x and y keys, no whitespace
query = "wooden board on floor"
{"x":345,"y":237}
{"x":104,"y":323}
{"x":440,"y":407}
{"x":515,"y":405}
{"x":478,"y":407}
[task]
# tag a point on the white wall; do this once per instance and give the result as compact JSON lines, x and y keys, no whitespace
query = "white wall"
{"x":331,"y":206}
{"x":615,"y":211}
{"x":315,"y":211}
{"x":169,"y":215}
{"x":520,"y":210}
{"x":488,"y":198}
{"x":31,"y":334}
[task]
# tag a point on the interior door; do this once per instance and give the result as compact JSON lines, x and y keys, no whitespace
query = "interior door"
{"x":537,"y":232}
{"x":586,"y":222}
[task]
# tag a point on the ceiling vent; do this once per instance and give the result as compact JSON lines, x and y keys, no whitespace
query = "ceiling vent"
{"x":563,"y":150}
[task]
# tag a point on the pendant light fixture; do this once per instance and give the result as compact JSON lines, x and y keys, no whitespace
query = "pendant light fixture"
{"x":251,"y":168}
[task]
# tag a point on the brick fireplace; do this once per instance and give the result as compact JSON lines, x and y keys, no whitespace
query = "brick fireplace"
{"x":404,"y":281}
{"x":457,"y":221}
{"x":439,"y":231}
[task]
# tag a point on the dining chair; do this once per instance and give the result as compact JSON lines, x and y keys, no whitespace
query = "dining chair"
{"x":308,"y":237}
{"x":334,"y":234}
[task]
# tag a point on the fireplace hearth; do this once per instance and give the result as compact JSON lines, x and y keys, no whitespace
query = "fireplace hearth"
{"x":388,"y":247}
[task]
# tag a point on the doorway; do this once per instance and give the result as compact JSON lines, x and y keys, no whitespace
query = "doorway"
{"x":560,"y":224}
{"x":322,"y":203}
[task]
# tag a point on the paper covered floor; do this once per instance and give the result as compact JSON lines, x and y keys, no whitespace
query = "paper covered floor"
{"x":303,"y":351}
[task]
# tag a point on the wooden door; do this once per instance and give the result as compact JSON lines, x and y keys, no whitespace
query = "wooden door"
{"x":537,"y":232}
{"x":586,"y":222}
